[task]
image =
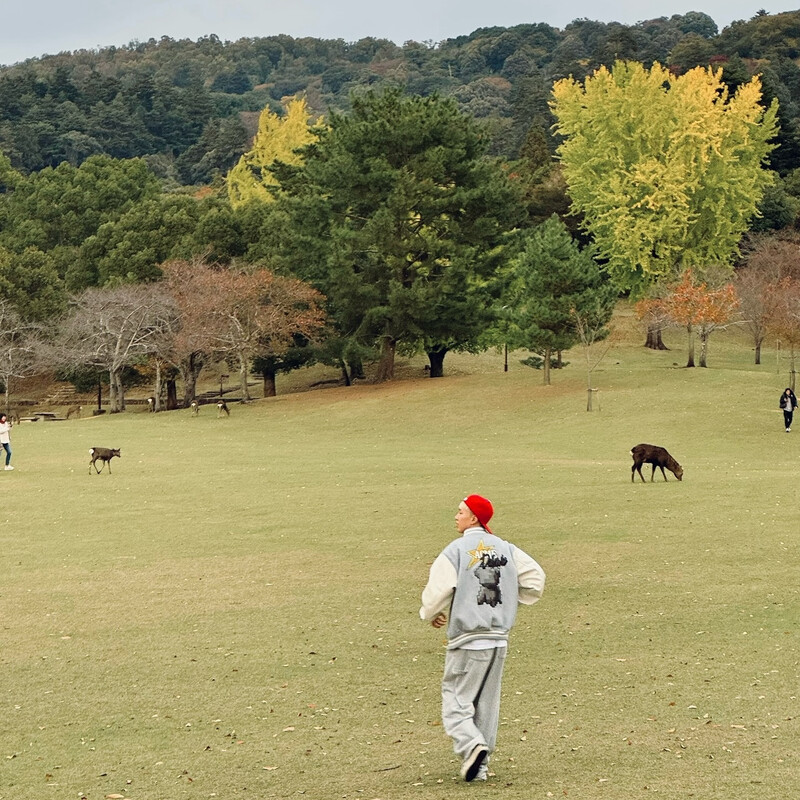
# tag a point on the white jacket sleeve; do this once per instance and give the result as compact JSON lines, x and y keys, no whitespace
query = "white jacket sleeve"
{"x":438,"y":592}
{"x":530,"y":577}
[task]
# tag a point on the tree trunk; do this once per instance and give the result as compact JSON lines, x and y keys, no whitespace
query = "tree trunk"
{"x":386,"y":364}
{"x":758,"y":350}
{"x":116,"y":392}
{"x":436,"y":358}
{"x":546,"y":368}
{"x":190,"y":370}
{"x":99,"y":396}
{"x":270,"y":389}
{"x":172,"y":394}
{"x":113,"y":406}
{"x":690,"y":362}
{"x":588,"y":379}
{"x":345,"y":374}
{"x":243,"y":379}
{"x":157,"y":388}
{"x":654,"y":341}
{"x":704,"y":348}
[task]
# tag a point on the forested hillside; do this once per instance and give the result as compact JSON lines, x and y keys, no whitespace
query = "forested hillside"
{"x":191,"y":107}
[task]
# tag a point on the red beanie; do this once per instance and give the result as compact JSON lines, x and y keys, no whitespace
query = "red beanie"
{"x":481,"y":508}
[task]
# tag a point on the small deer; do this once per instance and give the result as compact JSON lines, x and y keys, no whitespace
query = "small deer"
{"x":104,"y":456}
{"x":76,"y":410}
{"x":223,"y":409}
{"x":658,"y":457}
{"x":195,"y":406}
{"x":151,"y":404}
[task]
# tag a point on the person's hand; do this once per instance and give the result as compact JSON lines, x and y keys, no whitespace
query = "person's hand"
{"x":439,"y":620}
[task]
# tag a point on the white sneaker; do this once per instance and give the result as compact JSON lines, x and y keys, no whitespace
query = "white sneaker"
{"x":473,"y":762}
{"x":8,"y":466}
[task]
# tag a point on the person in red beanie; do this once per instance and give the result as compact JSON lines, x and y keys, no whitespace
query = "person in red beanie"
{"x":480,"y":579}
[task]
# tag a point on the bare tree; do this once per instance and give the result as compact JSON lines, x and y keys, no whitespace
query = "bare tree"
{"x":259,"y":313}
{"x":112,"y":328}
{"x":591,"y":326}
{"x":768,"y":259}
{"x":21,"y":348}
{"x":194,"y":288}
{"x":785,"y":320}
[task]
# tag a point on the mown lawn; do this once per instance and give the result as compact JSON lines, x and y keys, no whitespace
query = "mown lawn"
{"x":233,"y":611}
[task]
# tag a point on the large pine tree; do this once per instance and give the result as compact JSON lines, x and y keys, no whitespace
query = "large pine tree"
{"x":398,"y":218}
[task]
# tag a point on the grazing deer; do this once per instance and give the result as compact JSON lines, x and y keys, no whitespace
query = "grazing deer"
{"x":658,"y":457}
{"x":151,"y":404}
{"x":195,"y":406}
{"x":76,"y":410}
{"x":104,"y":456}
{"x":223,"y":409}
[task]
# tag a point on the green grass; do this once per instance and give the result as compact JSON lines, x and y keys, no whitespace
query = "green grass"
{"x":233,"y":612}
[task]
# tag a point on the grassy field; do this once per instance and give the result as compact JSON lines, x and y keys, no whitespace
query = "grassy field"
{"x":233,"y":612}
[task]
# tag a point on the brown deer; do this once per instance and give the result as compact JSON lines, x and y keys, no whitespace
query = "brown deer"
{"x":658,"y":457}
{"x":104,"y":456}
{"x":223,"y":409}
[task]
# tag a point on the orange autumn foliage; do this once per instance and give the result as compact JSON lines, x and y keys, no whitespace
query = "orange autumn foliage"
{"x":693,"y":304}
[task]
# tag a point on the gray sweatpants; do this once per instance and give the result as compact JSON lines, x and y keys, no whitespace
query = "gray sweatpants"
{"x":471,"y":697}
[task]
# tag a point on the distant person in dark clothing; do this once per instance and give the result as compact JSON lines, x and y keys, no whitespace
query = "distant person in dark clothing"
{"x":788,"y":405}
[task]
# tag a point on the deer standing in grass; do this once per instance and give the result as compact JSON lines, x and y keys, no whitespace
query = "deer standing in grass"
{"x":658,"y":457}
{"x":104,"y":456}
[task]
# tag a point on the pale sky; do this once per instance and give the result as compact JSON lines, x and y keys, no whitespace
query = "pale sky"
{"x":31,"y":28}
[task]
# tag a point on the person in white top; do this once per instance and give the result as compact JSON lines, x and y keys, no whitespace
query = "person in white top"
{"x":5,"y":438}
{"x":479,"y":579}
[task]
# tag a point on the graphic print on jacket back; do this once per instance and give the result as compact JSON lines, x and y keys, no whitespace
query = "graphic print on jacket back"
{"x":488,"y":574}
{"x":484,"y":603}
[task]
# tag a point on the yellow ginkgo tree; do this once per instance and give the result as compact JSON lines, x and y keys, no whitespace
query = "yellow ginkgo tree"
{"x":278,"y":139}
{"x":666,"y":171}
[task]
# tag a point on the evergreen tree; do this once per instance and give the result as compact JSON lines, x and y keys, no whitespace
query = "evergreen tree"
{"x":550,"y":281}
{"x":30,"y":283}
{"x":397,"y":217}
